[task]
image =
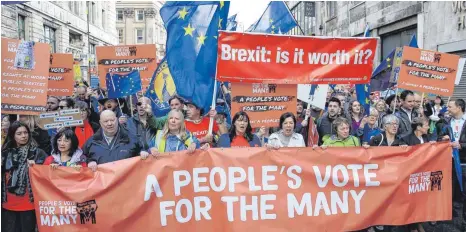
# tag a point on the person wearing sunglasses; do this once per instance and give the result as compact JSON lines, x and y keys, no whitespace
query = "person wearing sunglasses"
{"x":143,"y":124}
{"x":66,"y":104}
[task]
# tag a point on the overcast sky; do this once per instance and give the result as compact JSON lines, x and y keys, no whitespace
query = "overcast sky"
{"x":248,"y":11}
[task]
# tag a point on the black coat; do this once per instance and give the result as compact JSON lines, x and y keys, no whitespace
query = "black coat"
{"x":123,"y":146}
{"x":411,"y":139}
{"x":381,"y":140}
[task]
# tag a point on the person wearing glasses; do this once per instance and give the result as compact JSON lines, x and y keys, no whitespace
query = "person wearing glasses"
{"x":388,"y":137}
{"x":66,"y":104}
{"x":143,"y":124}
{"x":88,"y":128}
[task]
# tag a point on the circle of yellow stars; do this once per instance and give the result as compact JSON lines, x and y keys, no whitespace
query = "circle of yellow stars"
{"x":189,"y":29}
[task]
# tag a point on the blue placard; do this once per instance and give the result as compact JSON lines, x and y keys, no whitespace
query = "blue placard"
{"x":94,"y":81}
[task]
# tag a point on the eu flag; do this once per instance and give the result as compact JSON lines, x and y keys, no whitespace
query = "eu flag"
{"x":380,"y":79}
{"x":276,"y":19}
{"x":191,"y":50}
{"x":123,"y":85}
{"x":161,"y":89}
{"x":232,"y":24}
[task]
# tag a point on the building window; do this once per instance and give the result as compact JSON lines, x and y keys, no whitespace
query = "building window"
{"x":91,"y":48}
{"x":139,"y":15}
{"x":92,"y":12}
{"x":331,"y":9}
{"x":49,"y":37}
{"x":21,"y":27}
{"x":120,"y":36}
{"x":103,"y":18}
{"x":139,"y":36}
{"x":119,"y":15}
{"x":74,"y":7}
{"x":76,"y":40}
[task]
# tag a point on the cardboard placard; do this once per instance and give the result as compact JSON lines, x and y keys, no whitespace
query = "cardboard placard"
{"x":264,"y":103}
{"x":428,"y":71}
{"x":316,"y":100}
{"x":61,"y":74}
{"x":24,"y":91}
{"x":125,"y":58}
{"x":61,"y":118}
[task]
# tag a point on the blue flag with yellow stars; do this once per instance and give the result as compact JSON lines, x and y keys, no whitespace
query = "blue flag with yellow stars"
{"x":232,"y":24}
{"x":380,"y":79}
{"x":123,"y":85}
{"x":191,"y":50}
{"x":161,"y":89}
{"x":276,"y":19}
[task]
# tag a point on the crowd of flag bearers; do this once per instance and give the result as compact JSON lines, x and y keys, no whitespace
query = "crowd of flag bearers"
{"x":117,"y":127}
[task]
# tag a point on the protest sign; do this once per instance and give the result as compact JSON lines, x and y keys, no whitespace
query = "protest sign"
{"x":284,"y":59}
{"x":24,"y":91}
{"x":317,"y":99}
{"x":396,"y":65}
{"x":126,"y":58}
{"x":61,"y":118}
{"x":61,"y":73}
{"x":428,"y":71}
{"x":94,"y":81}
{"x":77,"y":71}
{"x":264,"y":103}
{"x":250,"y":189}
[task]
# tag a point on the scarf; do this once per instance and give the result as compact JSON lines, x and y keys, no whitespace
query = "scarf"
{"x":84,"y":133}
{"x":16,"y":164}
{"x":75,"y":158}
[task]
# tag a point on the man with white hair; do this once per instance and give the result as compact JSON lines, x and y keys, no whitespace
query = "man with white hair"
{"x":111,"y":143}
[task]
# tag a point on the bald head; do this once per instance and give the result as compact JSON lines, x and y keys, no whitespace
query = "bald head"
{"x":143,"y":106}
{"x":109,"y":122}
{"x":82,"y":92}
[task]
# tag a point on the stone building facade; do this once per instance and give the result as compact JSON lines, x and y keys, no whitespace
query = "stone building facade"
{"x":439,"y":26}
{"x":66,"y":26}
{"x":139,"y":22}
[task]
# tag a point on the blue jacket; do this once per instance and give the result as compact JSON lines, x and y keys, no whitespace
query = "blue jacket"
{"x":122,"y":147}
{"x":224,"y":141}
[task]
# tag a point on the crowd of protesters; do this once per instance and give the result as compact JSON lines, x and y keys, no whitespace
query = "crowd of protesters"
{"x":111,"y":132}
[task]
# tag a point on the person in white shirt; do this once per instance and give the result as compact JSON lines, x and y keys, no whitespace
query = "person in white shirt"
{"x":286,"y":137}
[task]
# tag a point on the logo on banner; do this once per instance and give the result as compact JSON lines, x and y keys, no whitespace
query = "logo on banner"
{"x":87,"y":211}
{"x":264,"y":88}
{"x":126,"y":51}
{"x":436,"y":180}
{"x":425,"y":181}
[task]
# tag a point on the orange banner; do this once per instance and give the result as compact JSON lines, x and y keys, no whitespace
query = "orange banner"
{"x":61,"y":75}
{"x":284,"y":59}
{"x":24,"y":91}
{"x":123,"y":59}
{"x":250,"y":189}
{"x":264,"y":103}
{"x":428,"y":71}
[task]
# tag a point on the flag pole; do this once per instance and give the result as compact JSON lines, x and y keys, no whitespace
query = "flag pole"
{"x":297,"y":24}
{"x":396,"y":94}
{"x":131,"y":104}
{"x":211,"y":123}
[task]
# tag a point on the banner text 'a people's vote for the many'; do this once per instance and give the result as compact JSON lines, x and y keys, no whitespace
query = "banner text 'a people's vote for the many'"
{"x":250,"y":189}
{"x":282,"y":59}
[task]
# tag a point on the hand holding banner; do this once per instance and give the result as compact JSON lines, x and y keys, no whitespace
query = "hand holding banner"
{"x":250,"y":189}
{"x":280,"y":59}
